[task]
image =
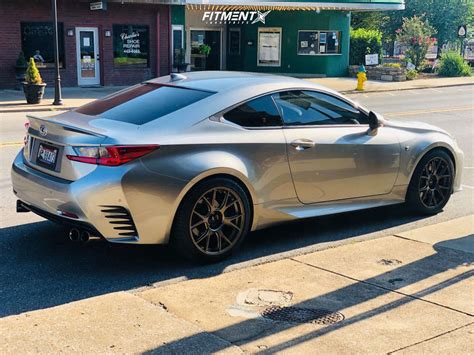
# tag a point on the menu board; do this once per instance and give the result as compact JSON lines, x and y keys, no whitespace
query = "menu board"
{"x":269,"y":47}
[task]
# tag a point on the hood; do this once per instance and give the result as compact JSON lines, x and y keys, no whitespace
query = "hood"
{"x":414,"y":126}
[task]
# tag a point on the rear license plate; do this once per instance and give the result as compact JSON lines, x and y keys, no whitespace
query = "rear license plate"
{"x":47,"y":156}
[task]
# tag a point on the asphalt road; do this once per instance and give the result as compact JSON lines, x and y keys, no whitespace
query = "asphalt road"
{"x":40,"y":267}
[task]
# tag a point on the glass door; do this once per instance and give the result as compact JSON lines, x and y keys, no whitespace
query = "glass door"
{"x":87,"y":49}
{"x":205,"y":50}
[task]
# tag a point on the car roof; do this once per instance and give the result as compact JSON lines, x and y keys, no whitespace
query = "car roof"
{"x":221,"y":81}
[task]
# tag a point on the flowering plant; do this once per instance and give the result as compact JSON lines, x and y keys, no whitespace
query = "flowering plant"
{"x":417,"y":35}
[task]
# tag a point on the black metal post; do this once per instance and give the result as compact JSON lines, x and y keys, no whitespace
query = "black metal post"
{"x":57,"y":78}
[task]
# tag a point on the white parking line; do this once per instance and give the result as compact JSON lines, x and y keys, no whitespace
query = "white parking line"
{"x":469,"y":167}
{"x":468,"y":186}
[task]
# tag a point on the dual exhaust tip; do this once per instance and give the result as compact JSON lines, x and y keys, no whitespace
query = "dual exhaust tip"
{"x":81,"y":236}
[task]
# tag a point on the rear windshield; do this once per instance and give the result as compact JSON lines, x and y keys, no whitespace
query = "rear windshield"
{"x":143,"y":103}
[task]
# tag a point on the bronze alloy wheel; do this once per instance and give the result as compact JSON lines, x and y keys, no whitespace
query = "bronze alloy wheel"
{"x":217,"y":221}
{"x":435,"y":182}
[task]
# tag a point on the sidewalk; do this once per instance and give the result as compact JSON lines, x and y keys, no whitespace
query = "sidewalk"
{"x":14,"y":101}
{"x":409,"y":293}
{"x":348,"y":85}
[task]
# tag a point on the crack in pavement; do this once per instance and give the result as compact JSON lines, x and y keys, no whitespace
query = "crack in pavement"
{"x":428,"y":339}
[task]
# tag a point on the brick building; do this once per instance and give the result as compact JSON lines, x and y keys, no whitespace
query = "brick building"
{"x":121,"y":45}
{"x":123,"y":42}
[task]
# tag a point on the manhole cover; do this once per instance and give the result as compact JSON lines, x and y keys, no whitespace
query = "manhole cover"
{"x":302,"y":315}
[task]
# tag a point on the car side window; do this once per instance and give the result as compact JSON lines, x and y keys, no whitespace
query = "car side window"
{"x":260,"y":112}
{"x":302,"y":108}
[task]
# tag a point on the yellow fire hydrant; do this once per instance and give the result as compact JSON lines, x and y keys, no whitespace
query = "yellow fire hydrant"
{"x":361,"y":78}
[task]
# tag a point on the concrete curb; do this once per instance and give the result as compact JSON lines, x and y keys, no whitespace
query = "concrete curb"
{"x":345,"y":92}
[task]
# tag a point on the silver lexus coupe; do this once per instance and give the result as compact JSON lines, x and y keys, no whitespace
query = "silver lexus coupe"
{"x":200,"y":159}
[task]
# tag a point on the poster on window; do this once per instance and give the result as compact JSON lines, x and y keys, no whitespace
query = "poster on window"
{"x":269,"y":48}
{"x":308,"y":42}
{"x":131,"y":45}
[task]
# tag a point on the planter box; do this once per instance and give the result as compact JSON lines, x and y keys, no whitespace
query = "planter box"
{"x":380,"y":72}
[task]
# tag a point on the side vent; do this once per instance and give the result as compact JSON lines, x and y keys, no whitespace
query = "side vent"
{"x":121,"y":220}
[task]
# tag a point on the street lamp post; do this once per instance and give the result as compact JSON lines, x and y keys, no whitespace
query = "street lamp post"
{"x":57,"y":78}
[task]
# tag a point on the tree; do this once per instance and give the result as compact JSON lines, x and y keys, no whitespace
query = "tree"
{"x":444,"y":15}
{"x":416,"y":34}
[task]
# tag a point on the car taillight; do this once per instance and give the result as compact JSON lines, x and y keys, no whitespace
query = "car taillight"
{"x":112,"y":155}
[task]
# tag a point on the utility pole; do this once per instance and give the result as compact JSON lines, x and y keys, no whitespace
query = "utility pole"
{"x":57,"y":78}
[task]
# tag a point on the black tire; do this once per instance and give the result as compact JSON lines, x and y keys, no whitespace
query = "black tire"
{"x":203,"y":211}
{"x":431,"y":185}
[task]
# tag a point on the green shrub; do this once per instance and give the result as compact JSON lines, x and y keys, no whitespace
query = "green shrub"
{"x":412,"y":74}
{"x":426,"y":67}
{"x":453,"y":64}
{"x":364,"y":42}
{"x":392,"y":65}
{"x":32,"y":75}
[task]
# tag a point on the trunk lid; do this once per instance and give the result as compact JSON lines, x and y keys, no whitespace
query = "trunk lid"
{"x":50,"y":139}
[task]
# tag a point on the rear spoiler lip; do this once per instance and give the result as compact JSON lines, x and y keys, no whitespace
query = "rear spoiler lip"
{"x":67,"y":127}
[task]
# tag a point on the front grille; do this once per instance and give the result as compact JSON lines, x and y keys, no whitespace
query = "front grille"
{"x":121,"y":220}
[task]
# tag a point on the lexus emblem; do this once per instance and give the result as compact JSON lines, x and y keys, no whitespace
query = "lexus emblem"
{"x":43,"y":130}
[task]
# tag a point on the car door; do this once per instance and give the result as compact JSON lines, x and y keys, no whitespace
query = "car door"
{"x":330,"y":153}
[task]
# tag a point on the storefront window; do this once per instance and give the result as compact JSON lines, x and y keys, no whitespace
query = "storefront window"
{"x":269,"y":47}
{"x":37,"y":41}
{"x":314,"y":42}
{"x":131,"y":46}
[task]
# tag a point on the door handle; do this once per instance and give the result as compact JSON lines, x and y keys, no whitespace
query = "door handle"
{"x":302,"y":144}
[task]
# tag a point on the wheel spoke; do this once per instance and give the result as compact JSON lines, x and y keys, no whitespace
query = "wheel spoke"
{"x":223,"y":236}
{"x":199,"y":215}
{"x":201,"y":238}
{"x":214,"y":202}
{"x":440,"y":192}
{"x":209,"y":205}
{"x":224,"y":203}
{"x":198,"y":223}
{"x":232,"y":224}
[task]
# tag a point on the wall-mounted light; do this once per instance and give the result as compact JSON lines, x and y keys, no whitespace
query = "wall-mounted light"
{"x":70,"y":32}
{"x":318,"y":10}
{"x":107,"y":33}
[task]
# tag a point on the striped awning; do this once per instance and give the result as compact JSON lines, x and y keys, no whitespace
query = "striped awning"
{"x":261,"y":5}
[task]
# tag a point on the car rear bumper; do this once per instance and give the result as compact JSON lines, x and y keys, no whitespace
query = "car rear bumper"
{"x":98,"y":200}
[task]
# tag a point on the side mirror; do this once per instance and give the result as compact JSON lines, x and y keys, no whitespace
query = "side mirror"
{"x":373,"y":121}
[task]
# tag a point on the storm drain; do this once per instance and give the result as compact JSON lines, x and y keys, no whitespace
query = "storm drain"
{"x":302,"y":315}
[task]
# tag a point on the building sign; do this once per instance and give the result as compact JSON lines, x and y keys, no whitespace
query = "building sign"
{"x":131,"y":45}
{"x":98,"y":5}
{"x":269,"y":47}
{"x":462,"y":31}
{"x":371,"y":59}
{"x":234,"y":17}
